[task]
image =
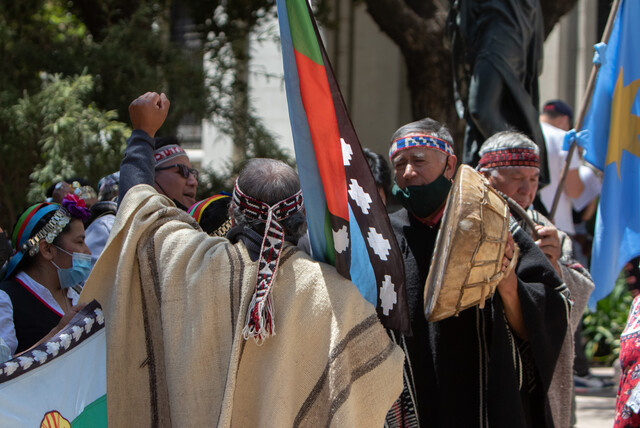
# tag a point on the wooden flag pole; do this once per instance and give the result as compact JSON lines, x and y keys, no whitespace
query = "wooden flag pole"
{"x":586,"y":101}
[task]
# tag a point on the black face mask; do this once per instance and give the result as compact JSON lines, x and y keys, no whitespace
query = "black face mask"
{"x":422,"y":201}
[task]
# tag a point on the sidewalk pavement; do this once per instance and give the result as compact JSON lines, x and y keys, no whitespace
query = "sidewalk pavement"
{"x":597,"y":409}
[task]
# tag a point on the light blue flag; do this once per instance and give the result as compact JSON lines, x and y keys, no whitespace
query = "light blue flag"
{"x":613,"y":122}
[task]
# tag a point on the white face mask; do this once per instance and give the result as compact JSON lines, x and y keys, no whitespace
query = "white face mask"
{"x":77,"y":273}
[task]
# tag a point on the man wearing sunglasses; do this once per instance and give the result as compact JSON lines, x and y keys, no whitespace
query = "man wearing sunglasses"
{"x":174,"y":175}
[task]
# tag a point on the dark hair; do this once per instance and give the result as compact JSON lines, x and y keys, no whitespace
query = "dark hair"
{"x":270,"y":181}
{"x":380,"y":170}
{"x":68,"y":180}
{"x":557,"y":108}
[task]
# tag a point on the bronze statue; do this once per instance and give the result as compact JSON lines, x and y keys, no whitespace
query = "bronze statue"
{"x":497,"y":58}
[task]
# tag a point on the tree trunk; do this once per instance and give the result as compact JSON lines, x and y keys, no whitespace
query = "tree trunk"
{"x":240,"y":96}
{"x":419,"y":30}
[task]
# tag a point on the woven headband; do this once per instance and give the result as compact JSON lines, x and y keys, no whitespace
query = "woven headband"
{"x":508,"y":157}
{"x":428,"y":141}
{"x":26,"y":240}
{"x":24,"y":229}
{"x":166,"y":153}
{"x":260,"y":323}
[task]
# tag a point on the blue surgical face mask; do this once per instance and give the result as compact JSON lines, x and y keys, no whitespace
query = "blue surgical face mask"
{"x":77,"y":273}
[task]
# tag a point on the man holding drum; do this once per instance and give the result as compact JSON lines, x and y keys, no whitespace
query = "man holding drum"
{"x":487,"y":366}
{"x":509,"y":161}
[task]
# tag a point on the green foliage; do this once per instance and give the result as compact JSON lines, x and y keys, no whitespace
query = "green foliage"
{"x":53,"y":134}
{"x":55,"y":127}
{"x":603,"y":327}
{"x":37,"y":36}
{"x":126,"y":45}
{"x":135,"y":55}
{"x":261,"y":145}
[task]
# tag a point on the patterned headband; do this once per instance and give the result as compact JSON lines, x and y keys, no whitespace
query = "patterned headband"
{"x":166,"y":153}
{"x":24,"y":238}
{"x":260,"y":323}
{"x":508,"y":157}
{"x":428,"y":141}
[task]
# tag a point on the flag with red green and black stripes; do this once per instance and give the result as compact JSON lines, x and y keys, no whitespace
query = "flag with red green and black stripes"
{"x":348,"y":224}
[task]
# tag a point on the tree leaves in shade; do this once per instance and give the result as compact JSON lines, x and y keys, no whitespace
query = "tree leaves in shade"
{"x":55,"y":133}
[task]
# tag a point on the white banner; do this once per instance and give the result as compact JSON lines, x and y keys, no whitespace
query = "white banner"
{"x":61,"y":383}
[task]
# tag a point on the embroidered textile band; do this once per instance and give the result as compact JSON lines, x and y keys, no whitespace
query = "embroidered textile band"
{"x":22,"y":239}
{"x":510,"y":157}
{"x":49,"y":232}
{"x":166,"y":153}
{"x":23,"y":230}
{"x":260,"y":323}
{"x":428,"y":141}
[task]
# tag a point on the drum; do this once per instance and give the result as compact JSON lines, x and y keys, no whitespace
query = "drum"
{"x":467,"y":260}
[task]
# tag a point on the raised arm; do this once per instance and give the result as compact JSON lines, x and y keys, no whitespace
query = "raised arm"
{"x":147,"y":113}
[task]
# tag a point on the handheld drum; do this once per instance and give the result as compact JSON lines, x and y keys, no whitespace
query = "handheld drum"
{"x":467,"y":259}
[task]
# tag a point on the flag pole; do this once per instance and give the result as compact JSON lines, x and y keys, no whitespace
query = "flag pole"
{"x":586,"y":101}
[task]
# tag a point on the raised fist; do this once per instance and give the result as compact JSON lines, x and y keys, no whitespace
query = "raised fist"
{"x":148,"y":112}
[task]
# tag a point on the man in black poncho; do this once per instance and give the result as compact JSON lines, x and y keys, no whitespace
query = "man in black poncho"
{"x":485,"y":367}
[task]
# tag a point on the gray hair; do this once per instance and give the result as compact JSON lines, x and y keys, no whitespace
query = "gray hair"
{"x":270,"y":181}
{"x":508,"y":140}
{"x":504,"y":140}
{"x":424,"y":126}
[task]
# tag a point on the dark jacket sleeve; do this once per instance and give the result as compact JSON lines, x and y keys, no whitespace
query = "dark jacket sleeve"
{"x":138,"y":164}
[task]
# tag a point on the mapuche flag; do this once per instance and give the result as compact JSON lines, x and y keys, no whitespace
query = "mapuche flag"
{"x":348,"y":224}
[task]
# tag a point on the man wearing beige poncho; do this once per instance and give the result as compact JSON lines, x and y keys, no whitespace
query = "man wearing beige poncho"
{"x":176,"y":305}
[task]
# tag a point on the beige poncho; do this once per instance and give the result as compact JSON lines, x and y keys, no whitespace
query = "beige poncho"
{"x":175,"y":302}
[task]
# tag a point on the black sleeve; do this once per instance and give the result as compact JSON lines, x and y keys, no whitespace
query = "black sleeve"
{"x":137,"y":167}
{"x":544,"y":299}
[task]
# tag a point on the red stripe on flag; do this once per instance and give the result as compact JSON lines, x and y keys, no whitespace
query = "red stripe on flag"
{"x":323,"y":126}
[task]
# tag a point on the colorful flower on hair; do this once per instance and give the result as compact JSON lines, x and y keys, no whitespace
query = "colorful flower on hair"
{"x":76,"y":206}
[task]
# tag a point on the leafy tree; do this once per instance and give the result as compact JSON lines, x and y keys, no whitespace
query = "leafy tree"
{"x":55,"y":133}
{"x":125,"y":45}
{"x":602,"y":328}
{"x":135,"y":54}
{"x":226,"y":35}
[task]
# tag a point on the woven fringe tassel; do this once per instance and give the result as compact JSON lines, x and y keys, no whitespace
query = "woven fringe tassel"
{"x":260,"y":323}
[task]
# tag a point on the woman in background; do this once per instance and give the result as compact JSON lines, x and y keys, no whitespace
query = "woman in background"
{"x":42,"y":280}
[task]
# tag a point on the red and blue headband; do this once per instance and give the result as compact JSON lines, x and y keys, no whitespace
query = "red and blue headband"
{"x":428,"y":141}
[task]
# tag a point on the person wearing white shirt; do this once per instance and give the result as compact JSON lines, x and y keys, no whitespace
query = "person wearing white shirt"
{"x":555,"y":120}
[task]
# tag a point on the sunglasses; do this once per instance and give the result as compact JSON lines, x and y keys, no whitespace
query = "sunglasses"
{"x":183,"y":170}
